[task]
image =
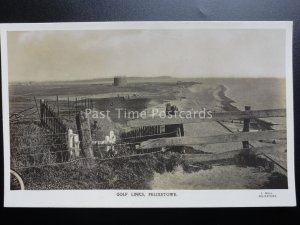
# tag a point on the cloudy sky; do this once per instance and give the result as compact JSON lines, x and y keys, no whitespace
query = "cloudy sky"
{"x":75,"y":55}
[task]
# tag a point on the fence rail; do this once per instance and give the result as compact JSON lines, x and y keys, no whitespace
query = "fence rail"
{"x":233,"y":137}
{"x":244,"y":137}
{"x":191,"y":158}
{"x":216,"y":116}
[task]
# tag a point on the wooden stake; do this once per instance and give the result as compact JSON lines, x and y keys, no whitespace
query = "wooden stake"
{"x":246,"y":128}
{"x":57,"y":105}
{"x":69,"y":107}
{"x":37,"y":108}
{"x":42,"y":110}
{"x":85,"y":138}
{"x":76,"y":105}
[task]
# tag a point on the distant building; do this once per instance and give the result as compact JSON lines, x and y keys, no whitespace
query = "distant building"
{"x":120,"y":81}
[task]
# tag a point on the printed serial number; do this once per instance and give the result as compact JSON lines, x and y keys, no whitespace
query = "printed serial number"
{"x":267,"y":195}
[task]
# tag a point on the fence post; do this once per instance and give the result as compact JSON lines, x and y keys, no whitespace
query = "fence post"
{"x":55,"y":124}
{"x":246,"y":128}
{"x":37,"y":108}
{"x":75,"y":105}
{"x":42,"y":110}
{"x":50,"y":119}
{"x":71,"y":142}
{"x":47,"y":115}
{"x":69,"y":106}
{"x":57,"y":105}
{"x":85,"y":137}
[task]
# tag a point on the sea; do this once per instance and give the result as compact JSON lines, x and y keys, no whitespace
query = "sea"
{"x":259,"y":93}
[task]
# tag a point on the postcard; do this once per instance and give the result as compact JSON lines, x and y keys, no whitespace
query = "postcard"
{"x":148,"y":114}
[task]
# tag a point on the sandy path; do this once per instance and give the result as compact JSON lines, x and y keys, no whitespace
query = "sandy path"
{"x":219,"y":177}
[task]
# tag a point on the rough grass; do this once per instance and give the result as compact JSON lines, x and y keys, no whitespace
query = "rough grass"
{"x":126,"y":173}
{"x":30,"y":144}
{"x":129,"y":173}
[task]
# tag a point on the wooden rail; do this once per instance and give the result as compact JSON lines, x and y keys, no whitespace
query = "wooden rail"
{"x":216,"y":116}
{"x":233,"y":137}
{"x":204,"y":158}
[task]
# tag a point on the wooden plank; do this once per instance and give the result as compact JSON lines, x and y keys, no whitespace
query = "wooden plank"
{"x":235,"y":137}
{"x":221,"y":116}
{"x":202,"y":158}
{"x":205,"y":158}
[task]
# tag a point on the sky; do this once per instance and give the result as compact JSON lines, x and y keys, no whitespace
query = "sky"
{"x":81,"y":55}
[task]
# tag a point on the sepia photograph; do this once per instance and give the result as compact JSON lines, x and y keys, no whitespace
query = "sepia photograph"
{"x":144,"y":107}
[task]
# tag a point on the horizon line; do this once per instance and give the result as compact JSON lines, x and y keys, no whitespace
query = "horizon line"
{"x":162,"y":76}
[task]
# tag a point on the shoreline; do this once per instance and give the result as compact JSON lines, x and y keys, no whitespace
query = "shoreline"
{"x":226,"y":101}
{"x":227,"y":106}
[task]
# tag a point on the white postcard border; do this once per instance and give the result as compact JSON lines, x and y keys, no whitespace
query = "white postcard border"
{"x":184,"y":198}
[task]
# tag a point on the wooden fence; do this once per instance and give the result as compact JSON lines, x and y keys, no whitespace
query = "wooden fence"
{"x":52,"y":121}
{"x":225,"y":138}
{"x":143,"y":133}
{"x":155,"y":133}
{"x":246,"y":116}
{"x":243,"y":137}
{"x":82,"y":104}
{"x":67,"y":107}
{"x":217,"y":116}
{"x":151,"y":132}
